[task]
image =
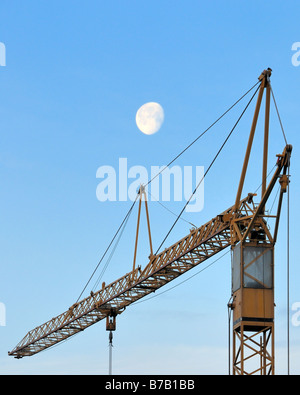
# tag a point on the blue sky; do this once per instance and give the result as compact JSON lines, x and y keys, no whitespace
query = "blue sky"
{"x":75,"y":75}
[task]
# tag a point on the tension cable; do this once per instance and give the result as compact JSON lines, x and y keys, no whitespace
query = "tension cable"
{"x":209,"y":167}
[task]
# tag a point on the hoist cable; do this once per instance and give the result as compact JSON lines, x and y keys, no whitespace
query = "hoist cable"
{"x":288,"y":273}
{"x":278,"y":115}
{"x":288,"y":244}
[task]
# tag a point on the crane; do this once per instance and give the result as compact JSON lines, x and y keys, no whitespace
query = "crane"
{"x":243,"y":227}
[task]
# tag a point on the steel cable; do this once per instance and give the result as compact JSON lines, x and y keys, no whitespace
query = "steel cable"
{"x":173,"y":160}
{"x":209,"y":167}
{"x":115,"y":235}
{"x":203,"y":133}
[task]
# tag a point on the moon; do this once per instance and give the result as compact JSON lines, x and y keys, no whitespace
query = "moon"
{"x":149,"y":118}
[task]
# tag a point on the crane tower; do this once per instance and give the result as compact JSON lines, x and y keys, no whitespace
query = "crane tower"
{"x":253,"y":262}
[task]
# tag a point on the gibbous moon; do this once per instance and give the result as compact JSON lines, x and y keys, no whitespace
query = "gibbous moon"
{"x":150,"y":117}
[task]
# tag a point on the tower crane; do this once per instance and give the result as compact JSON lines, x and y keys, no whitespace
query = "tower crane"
{"x":243,"y":227}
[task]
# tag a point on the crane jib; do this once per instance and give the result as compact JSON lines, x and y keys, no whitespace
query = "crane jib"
{"x":199,"y":245}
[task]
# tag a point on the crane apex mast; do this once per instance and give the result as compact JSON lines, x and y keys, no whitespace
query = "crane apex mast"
{"x":252,"y":247}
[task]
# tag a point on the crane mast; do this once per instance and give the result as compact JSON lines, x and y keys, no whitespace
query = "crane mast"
{"x":253,"y":262}
{"x":243,"y":227}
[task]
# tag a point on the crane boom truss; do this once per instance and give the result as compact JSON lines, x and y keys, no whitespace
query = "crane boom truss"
{"x":227,"y":228}
{"x":201,"y":244}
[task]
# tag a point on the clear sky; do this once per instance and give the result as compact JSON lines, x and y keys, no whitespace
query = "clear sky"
{"x":76,"y":72}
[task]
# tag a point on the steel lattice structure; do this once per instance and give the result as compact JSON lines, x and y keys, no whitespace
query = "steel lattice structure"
{"x":190,"y":251}
{"x":244,"y":224}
